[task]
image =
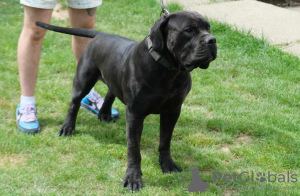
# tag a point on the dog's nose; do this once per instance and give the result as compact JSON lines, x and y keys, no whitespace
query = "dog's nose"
{"x":209,"y":39}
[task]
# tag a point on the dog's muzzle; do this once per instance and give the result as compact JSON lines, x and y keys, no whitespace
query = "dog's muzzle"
{"x":206,"y":53}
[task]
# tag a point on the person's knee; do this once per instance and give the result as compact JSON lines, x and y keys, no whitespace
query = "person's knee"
{"x":31,"y":15}
{"x":32,"y":32}
{"x":35,"y":34}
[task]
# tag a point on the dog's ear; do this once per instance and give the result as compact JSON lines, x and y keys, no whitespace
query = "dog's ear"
{"x":157,"y":34}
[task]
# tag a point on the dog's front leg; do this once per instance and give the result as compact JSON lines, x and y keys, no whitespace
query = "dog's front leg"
{"x":167,"y":124}
{"x":134,"y":128}
{"x":68,"y":127}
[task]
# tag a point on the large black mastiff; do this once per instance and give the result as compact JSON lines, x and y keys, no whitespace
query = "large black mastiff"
{"x":149,"y":77}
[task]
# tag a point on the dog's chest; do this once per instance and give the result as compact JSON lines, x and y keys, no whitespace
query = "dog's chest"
{"x":155,"y":95}
{"x":157,"y":100}
{"x":154,"y":100}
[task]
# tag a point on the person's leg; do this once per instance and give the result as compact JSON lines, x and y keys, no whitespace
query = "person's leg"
{"x":85,"y":18}
{"x":29,"y":47}
{"x":29,"y":51}
{"x":81,"y":18}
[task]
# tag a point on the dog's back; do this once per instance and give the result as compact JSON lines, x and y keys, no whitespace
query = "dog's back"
{"x":110,"y":53}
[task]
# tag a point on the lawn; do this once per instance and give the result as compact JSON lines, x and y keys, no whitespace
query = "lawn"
{"x":242,"y":115}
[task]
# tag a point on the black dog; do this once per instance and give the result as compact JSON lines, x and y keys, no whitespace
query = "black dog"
{"x":150,"y":77}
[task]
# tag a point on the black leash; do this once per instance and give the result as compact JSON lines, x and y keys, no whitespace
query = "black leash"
{"x":163,"y":10}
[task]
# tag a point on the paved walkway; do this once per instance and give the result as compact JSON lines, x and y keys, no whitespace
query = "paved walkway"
{"x":280,"y":26}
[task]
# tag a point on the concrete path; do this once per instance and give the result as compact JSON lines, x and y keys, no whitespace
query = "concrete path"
{"x":280,"y":26}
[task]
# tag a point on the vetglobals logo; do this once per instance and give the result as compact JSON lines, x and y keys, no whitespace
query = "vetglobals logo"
{"x":192,"y":182}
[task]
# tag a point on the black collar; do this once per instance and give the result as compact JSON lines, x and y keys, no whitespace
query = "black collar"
{"x":157,"y":57}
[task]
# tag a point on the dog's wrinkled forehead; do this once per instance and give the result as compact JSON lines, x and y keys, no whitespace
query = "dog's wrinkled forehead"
{"x":176,"y":23}
{"x":181,"y":20}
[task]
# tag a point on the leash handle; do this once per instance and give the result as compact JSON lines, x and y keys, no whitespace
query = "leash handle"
{"x":163,"y":10}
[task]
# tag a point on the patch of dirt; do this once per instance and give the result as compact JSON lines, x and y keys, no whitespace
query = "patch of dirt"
{"x":209,"y":114}
{"x":188,"y":160}
{"x":59,"y":13}
{"x":231,"y":192}
{"x":225,"y":149}
{"x":239,"y":141}
{"x":243,"y":139}
{"x":12,"y":160}
{"x":247,"y":96}
{"x":214,"y":131}
{"x":206,"y":172}
{"x":66,"y":158}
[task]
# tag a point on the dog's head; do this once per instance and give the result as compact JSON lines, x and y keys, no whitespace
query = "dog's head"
{"x":185,"y":39}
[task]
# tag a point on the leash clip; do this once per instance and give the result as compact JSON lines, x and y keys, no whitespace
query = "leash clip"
{"x":163,"y":10}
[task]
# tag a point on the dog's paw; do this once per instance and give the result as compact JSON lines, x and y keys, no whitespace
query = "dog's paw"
{"x":133,"y":180}
{"x":168,"y":165}
{"x":66,"y":130}
{"x":104,"y":117}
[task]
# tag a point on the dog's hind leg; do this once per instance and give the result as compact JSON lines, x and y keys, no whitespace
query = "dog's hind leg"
{"x":105,"y":111}
{"x":85,"y":78}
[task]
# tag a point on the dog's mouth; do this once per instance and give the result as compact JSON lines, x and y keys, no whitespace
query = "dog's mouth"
{"x":202,"y":64}
{"x":201,"y":61}
{"x":192,"y":67}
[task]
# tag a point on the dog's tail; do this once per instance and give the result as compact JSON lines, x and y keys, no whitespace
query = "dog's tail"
{"x":71,"y":31}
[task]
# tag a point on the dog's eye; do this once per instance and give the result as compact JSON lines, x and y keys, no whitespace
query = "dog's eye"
{"x":188,"y":30}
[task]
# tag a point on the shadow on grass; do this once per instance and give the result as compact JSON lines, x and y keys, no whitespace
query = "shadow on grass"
{"x":50,"y":121}
{"x":183,"y":153}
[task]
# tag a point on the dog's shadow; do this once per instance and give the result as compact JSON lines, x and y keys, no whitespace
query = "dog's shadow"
{"x":115,"y":133}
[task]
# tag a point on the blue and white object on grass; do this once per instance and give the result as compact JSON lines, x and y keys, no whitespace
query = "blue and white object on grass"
{"x":94,"y":104}
{"x":27,"y":119}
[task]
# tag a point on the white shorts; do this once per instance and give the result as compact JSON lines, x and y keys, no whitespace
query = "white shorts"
{"x":50,"y":4}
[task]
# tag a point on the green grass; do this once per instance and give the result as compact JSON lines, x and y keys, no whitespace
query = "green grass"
{"x":242,"y":114}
